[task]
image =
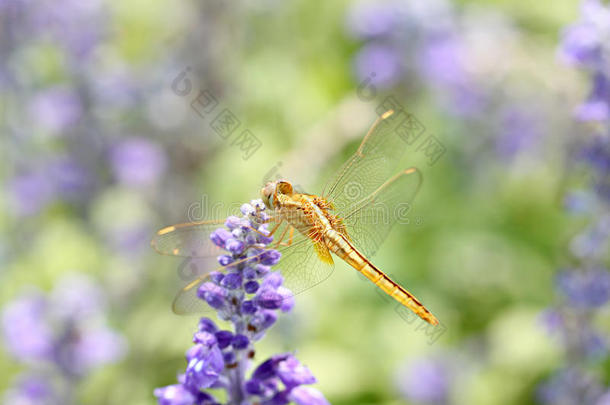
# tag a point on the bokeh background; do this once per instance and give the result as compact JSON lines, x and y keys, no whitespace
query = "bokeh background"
{"x":506,"y":243}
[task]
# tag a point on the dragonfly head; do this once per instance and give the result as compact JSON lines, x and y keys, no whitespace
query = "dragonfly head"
{"x":270,"y":192}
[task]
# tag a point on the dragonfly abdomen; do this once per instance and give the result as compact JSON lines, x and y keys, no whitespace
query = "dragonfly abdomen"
{"x":342,"y":247}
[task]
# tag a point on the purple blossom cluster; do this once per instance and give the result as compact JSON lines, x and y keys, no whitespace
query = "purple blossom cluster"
{"x":586,"y":45}
{"x":441,"y":52}
{"x":434,"y":46}
{"x":584,"y":289}
{"x":62,"y":127}
{"x":427,"y":380}
{"x":59,"y":336}
{"x":248,"y":295}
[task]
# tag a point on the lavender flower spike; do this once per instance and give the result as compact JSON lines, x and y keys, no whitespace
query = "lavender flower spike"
{"x":250,"y":296}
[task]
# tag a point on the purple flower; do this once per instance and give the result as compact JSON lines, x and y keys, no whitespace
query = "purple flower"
{"x":249,"y":295}
{"x":251,"y":287}
{"x":597,"y":106}
{"x":593,"y":344}
{"x":263,"y":229}
{"x":307,"y":396}
{"x":30,"y":192}
{"x":224,"y":338}
{"x":579,"y":201}
{"x":32,"y":389}
{"x":207,"y":325}
{"x":225,"y":260}
{"x":137,"y":161}
{"x":292,"y":373}
{"x":585,"y":289}
{"x":254,"y":387}
{"x":519,"y":130}
{"x":62,"y":178}
{"x":582,"y":43}
{"x":597,"y":154}
{"x":585,"y":44}
{"x":268,"y":369}
{"x":27,"y":335}
{"x":588,"y":288}
{"x":232,"y":222}
{"x":591,"y":241}
{"x":273,"y":280}
{"x":177,"y":394}
{"x":56,"y":109}
{"x":213,"y":294}
{"x":287,"y":299}
{"x":368,"y":20}
{"x":247,"y":209}
{"x":443,"y":63}
{"x":272,"y":295}
{"x":552,"y":320}
{"x":570,"y":386}
{"x":261,"y":321}
{"x":382,"y":63}
{"x":604,"y":399}
{"x":62,"y":333}
{"x":216,"y":277}
{"x":92,"y":349}
{"x":204,"y":366}
{"x":72,"y":181}
{"x":234,"y":245}
{"x":232,"y":281}
{"x":425,"y":381}
{"x":248,"y":307}
{"x":442,"y":60}
{"x":262,"y":269}
{"x":205,"y":338}
{"x":240,"y":342}
{"x":269,"y":299}
{"x":77,"y":297}
{"x":220,"y":237}
{"x":77,"y":27}
{"x":270,"y":257}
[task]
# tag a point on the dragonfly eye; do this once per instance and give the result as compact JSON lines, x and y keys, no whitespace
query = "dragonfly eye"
{"x":267,"y":194}
{"x":284,"y":187}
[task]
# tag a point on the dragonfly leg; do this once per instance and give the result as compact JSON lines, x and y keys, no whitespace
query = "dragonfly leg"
{"x":280,"y":239}
{"x":268,"y":234}
{"x":290,"y":238}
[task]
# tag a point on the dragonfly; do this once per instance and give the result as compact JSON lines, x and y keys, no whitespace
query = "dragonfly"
{"x":350,"y":219}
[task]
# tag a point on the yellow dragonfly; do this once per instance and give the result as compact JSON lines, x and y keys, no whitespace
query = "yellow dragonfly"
{"x":351,"y":219}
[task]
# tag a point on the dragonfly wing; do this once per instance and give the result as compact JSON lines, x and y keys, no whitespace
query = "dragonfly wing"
{"x":193,"y":271}
{"x":373,"y":163}
{"x":191,"y":239}
{"x":188,"y":303}
{"x":302,"y":267}
{"x":369,"y":221}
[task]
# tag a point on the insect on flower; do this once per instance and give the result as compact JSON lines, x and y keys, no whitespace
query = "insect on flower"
{"x":351,"y":219}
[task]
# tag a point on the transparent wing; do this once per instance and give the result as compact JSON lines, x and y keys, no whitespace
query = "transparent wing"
{"x":369,"y":221}
{"x":192,"y":271}
{"x":191,"y":239}
{"x":373,"y":163}
{"x":299,"y":265}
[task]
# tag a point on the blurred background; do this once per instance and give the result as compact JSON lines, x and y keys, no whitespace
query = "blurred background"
{"x":108,"y":133}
